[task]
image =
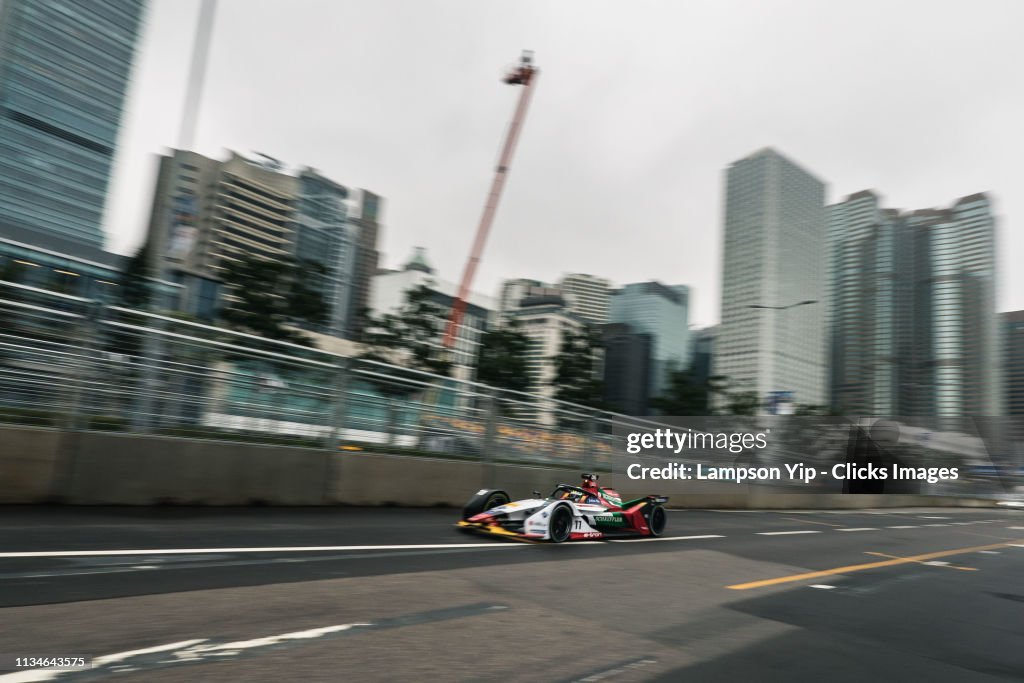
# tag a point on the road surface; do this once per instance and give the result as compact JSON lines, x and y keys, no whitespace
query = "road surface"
{"x":265,"y":594}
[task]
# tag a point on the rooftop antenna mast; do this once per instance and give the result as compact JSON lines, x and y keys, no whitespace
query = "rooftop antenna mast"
{"x":524,"y":74}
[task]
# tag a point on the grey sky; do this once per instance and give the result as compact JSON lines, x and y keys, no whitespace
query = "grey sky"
{"x":639,"y":108}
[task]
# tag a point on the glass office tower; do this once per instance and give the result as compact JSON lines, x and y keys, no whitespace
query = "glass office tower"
{"x":64,"y":69}
{"x":771,"y":338}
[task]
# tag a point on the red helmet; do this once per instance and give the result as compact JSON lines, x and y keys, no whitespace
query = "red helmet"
{"x":589,"y":480}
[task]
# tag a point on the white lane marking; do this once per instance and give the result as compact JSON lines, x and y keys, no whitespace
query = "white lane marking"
{"x":940,"y":524}
{"x":902,"y":527}
{"x":927,"y":517}
{"x":284,"y":549}
{"x":1016,"y":528}
{"x":784,"y":533}
{"x":989,"y":552}
{"x":663,"y":538}
{"x":937,"y":563}
{"x":238,"y":645}
{"x":31,"y":676}
{"x":117,"y":657}
{"x":1016,"y":545}
{"x":823,"y":586}
{"x":860,"y":528}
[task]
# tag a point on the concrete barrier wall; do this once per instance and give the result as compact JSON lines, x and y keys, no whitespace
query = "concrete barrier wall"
{"x":376,"y":479}
{"x":28,"y":464}
{"x":95,"y":468}
{"x":139,"y":470}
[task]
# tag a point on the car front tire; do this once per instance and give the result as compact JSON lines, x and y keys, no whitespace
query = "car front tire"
{"x":484,"y":501}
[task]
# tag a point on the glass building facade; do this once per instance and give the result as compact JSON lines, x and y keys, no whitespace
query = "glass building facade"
{"x":913,"y":326}
{"x":325,"y":237}
{"x":663,"y":313}
{"x":1013,"y":331}
{"x":773,"y":256}
{"x":64,"y":70}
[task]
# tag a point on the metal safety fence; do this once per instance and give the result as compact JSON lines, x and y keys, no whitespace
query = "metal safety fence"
{"x":78,"y":364}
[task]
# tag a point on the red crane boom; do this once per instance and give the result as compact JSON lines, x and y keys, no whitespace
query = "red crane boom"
{"x":524,"y":74}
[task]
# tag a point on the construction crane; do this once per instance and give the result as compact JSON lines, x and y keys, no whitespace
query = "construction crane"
{"x":524,"y":74}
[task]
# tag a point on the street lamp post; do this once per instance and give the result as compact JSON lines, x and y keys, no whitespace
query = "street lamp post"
{"x":783,"y":309}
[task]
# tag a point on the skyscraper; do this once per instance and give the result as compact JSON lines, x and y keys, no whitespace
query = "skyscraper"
{"x":64,"y":69}
{"x":663,"y":313}
{"x":773,"y":258}
{"x":587,"y":296}
{"x":365,"y":216}
{"x":913,"y":327}
{"x":1013,"y":344}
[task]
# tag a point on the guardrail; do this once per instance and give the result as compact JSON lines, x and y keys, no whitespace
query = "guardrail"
{"x":79,"y":364}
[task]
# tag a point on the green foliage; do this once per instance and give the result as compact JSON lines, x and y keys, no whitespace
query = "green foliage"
{"x":576,"y":366}
{"x":685,"y":395}
{"x":742,"y":403}
{"x":272,"y":294}
{"x":502,"y":359}
{"x":411,"y":336}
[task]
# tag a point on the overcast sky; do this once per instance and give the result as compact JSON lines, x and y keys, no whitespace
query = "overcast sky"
{"x":639,"y":108}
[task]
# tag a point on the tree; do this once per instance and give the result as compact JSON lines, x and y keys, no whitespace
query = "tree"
{"x":502,"y":359}
{"x":685,"y":395}
{"x":575,"y":369}
{"x":272,"y":294}
{"x":409,"y":336}
{"x":135,"y":288}
{"x":743,"y":403}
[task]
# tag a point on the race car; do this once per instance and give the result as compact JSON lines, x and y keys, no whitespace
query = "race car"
{"x":570,"y":513}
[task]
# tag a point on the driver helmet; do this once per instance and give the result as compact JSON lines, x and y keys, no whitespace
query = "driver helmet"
{"x":589,"y":480}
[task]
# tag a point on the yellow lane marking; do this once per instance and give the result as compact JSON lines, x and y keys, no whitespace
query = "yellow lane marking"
{"x":811,"y":521}
{"x":927,"y":564}
{"x":861,"y":567}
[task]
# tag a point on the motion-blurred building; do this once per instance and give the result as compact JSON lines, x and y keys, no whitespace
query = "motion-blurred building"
{"x":64,"y":70}
{"x":512,"y":293}
{"x":913,"y":325}
{"x":545,"y":320}
{"x":1013,"y":345}
{"x":703,"y":353}
{"x":587,"y":296}
{"x":389,"y":294}
{"x":773,"y":257}
{"x":627,"y":368}
{"x":662,"y":312}
{"x":207,"y":213}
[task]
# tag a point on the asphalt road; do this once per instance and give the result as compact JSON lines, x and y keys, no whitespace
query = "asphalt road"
{"x":268,"y":594}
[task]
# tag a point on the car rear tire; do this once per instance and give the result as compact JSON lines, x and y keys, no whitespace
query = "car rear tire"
{"x":657,"y":520}
{"x":484,"y":501}
{"x":560,"y":524}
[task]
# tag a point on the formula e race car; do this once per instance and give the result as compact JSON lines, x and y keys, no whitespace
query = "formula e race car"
{"x":570,"y":513}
